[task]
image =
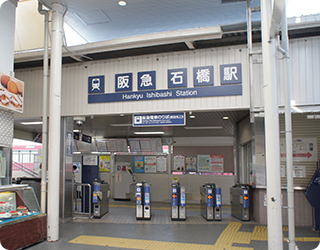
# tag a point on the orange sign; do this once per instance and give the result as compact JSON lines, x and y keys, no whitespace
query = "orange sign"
{"x":210,"y":197}
{"x":174,"y":196}
{"x":246,"y":197}
{"x":138,"y":198}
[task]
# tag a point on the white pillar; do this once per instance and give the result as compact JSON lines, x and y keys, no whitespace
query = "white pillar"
{"x":272,"y":138}
{"x":45,"y":114}
{"x":55,"y":123}
{"x":287,"y":98}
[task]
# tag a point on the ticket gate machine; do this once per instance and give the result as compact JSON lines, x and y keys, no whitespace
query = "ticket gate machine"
{"x":100,"y":198}
{"x":143,"y":202}
{"x":241,"y":201}
{"x":178,"y":202}
{"x":210,"y":202}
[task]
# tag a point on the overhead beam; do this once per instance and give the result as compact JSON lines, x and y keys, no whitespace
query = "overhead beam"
{"x":278,"y":7}
{"x":190,"y":45}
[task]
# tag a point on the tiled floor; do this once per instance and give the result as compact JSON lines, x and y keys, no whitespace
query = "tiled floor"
{"x":120,"y":230}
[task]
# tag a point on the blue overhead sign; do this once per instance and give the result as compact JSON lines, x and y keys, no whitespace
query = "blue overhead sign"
{"x":230,"y":73}
{"x":123,"y":82}
{"x":203,"y":76}
{"x":146,"y":80}
{"x":167,"y":94}
{"x":169,"y":119}
{"x":177,"y":78}
{"x":95,"y":84}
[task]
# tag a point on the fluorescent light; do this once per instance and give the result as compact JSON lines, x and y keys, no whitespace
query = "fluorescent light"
{"x":121,"y":125}
{"x":31,"y":123}
{"x":148,"y":133}
{"x":192,"y":116}
{"x":225,"y":118}
{"x":213,"y":127}
{"x":76,"y":130}
{"x":122,"y":3}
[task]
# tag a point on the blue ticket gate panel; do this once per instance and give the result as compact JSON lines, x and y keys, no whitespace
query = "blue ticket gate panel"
{"x":241,"y":200}
{"x":143,"y":201}
{"x":217,"y":209}
{"x":208,"y":202}
{"x":178,"y":202}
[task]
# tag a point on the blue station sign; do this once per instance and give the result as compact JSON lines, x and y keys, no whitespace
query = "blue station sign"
{"x":169,"y":119}
{"x":203,"y":85}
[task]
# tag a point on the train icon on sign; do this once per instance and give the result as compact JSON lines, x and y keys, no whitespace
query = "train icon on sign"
{"x":95,"y":84}
{"x":138,"y":120}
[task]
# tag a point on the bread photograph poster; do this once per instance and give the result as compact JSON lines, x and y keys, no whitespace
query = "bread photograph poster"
{"x":11,"y":93}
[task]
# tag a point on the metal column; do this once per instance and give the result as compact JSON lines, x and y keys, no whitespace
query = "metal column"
{"x":270,"y":88}
{"x":54,"y":123}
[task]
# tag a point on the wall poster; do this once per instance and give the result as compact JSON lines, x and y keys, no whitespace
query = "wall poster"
{"x":150,"y":164}
{"x":178,"y":163}
{"x":138,"y":164}
{"x":303,"y":149}
{"x":104,"y":163}
{"x":203,"y":162}
{"x":90,"y":160}
{"x":216,"y":163}
{"x":191,"y":163}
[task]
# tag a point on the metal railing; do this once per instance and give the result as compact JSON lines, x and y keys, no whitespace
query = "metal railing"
{"x":20,"y":167}
{"x":80,"y":200}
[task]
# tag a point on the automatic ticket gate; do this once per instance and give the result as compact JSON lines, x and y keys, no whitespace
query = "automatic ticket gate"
{"x":100,"y":198}
{"x":210,"y":202}
{"x":143,"y":202}
{"x":241,"y":202}
{"x":178,"y":202}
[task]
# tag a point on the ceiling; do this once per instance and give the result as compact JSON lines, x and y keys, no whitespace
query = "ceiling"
{"x":117,"y":126}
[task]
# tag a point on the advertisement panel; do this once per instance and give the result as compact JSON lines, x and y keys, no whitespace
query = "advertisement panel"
{"x":11,"y":93}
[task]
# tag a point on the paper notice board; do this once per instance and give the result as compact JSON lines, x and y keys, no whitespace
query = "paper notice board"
{"x":162,"y":164}
{"x":203,"y":163}
{"x":104,"y":163}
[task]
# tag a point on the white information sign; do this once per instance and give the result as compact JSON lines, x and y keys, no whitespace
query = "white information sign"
{"x":150,"y":163}
{"x":203,"y":163}
{"x":299,"y":171}
{"x":91,"y":160}
{"x":216,"y":163}
{"x":303,"y":149}
{"x":161,"y":164}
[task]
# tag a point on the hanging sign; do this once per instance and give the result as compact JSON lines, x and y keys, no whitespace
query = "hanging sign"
{"x":169,"y":119}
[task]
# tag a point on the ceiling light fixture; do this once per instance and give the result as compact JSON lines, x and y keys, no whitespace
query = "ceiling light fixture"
{"x":192,"y":116}
{"x":121,"y":125}
{"x":31,"y":123}
{"x":76,"y":130}
{"x":213,"y":127}
{"x":149,"y":133}
{"x":225,"y":118}
{"x":122,"y":3}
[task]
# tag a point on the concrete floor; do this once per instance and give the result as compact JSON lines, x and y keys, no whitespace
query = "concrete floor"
{"x":119,"y":229}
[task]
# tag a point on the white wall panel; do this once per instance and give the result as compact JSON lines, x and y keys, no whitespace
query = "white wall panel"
{"x":75,"y":83}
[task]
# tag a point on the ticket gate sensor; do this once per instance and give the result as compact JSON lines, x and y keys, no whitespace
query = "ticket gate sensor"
{"x":241,"y":200}
{"x":178,"y":202}
{"x":143,"y":201}
{"x":217,"y":209}
{"x":208,"y":201}
{"x":100,"y":199}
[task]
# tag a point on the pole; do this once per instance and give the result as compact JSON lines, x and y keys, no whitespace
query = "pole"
{"x":272,"y":138}
{"x":287,"y":98}
{"x":45,"y":111}
{"x":55,"y":123}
